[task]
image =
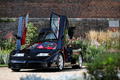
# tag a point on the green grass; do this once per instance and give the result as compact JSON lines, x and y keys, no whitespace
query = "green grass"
{"x":3,"y":65}
{"x":86,"y":64}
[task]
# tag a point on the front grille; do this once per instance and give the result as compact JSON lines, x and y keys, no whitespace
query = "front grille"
{"x":39,"y":58}
{"x":37,"y":65}
{"x":17,"y":65}
{"x":33,"y":64}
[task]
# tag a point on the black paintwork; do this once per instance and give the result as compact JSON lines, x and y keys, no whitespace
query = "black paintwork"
{"x":31,"y":61}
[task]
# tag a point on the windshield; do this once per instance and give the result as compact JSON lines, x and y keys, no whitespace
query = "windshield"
{"x":44,"y":45}
{"x":50,"y":36}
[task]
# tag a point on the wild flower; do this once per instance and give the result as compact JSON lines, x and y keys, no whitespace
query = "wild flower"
{"x":9,"y":35}
{"x":87,"y":48}
{"x":104,"y":49}
{"x":95,"y":43}
{"x":14,"y":42}
{"x":113,"y":42}
{"x":83,"y":42}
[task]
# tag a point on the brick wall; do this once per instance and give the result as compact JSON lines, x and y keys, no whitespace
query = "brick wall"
{"x":71,"y":8}
{"x":82,"y":25}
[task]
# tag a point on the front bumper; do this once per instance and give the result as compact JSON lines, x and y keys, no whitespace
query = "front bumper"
{"x":33,"y":64}
{"x":30,"y":64}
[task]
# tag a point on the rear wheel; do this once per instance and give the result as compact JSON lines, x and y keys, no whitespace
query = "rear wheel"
{"x":80,"y":61}
{"x":16,"y":70}
{"x":60,"y":62}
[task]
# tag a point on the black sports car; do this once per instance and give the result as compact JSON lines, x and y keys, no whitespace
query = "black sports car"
{"x":51,"y":50}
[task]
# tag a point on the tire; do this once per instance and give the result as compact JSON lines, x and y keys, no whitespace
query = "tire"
{"x":60,"y":62}
{"x":80,"y":61}
{"x":15,"y":70}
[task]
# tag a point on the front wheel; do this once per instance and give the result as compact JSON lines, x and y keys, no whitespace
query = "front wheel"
{"x":15,"y":70}
{"x":60,"y":62}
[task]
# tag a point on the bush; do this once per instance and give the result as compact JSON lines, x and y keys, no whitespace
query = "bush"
{"x":4,"y":58}
{"x":105,"y":67}
{"x":31,"y":35}
{"x":8,"y":43}
{"x":92,"y":52}
{"x":85,"y":44}
{"x":75,"y":43}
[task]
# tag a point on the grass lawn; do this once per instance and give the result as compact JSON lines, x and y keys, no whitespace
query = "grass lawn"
{"x":86,"y":64}
{"x":3,"y":65}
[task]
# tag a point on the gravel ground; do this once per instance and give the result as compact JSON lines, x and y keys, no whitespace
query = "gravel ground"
{"x":8,"y":74}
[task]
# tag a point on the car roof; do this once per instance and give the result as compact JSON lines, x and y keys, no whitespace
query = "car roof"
{"x":46,"y":29}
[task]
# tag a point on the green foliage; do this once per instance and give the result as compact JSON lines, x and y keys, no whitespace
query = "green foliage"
{"x":92,"y":52}
{"x":9,"y":44}
{"x":85,"y":44}
{"x":31,"y":35}
{"x":7,"y":19}
{"x":76,"y":56}
{"x":4,"y":58}
{"x":105,"y":67}
{"x":75,"y":43}
{"x":112,"y":44}
{"x":4,"y":65}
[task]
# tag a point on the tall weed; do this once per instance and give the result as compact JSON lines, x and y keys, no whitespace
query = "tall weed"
{"x":109,"y":39}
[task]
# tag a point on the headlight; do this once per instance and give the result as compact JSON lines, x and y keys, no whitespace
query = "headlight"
{"x":43,"y":54}
{"x":19,"y":55}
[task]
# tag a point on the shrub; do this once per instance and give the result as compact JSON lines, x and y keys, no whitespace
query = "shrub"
{"x":85,"y":44}
{"x":91,"y":49}
{"x":1,"y":59}
{"x":75,"y":43}
{"x":31,"y":35}
{"x":4,"y":58}
{"x":105,"y":67}
{"x":8,"y":42}
{"x":92,"y":52}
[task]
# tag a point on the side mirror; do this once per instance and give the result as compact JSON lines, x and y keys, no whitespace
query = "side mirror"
{"x":16,"y":36}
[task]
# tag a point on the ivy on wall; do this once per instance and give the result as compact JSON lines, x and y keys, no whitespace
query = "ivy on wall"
{"x":7,"y":20}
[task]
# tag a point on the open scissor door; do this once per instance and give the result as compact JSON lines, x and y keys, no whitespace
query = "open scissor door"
{"x":55,"y":24}
{"x":22,"y":30}
{"x":58,"y":26}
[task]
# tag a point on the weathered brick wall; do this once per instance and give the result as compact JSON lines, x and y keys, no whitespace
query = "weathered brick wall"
{"x":71,"y":8}
{"x":82,"y":25}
